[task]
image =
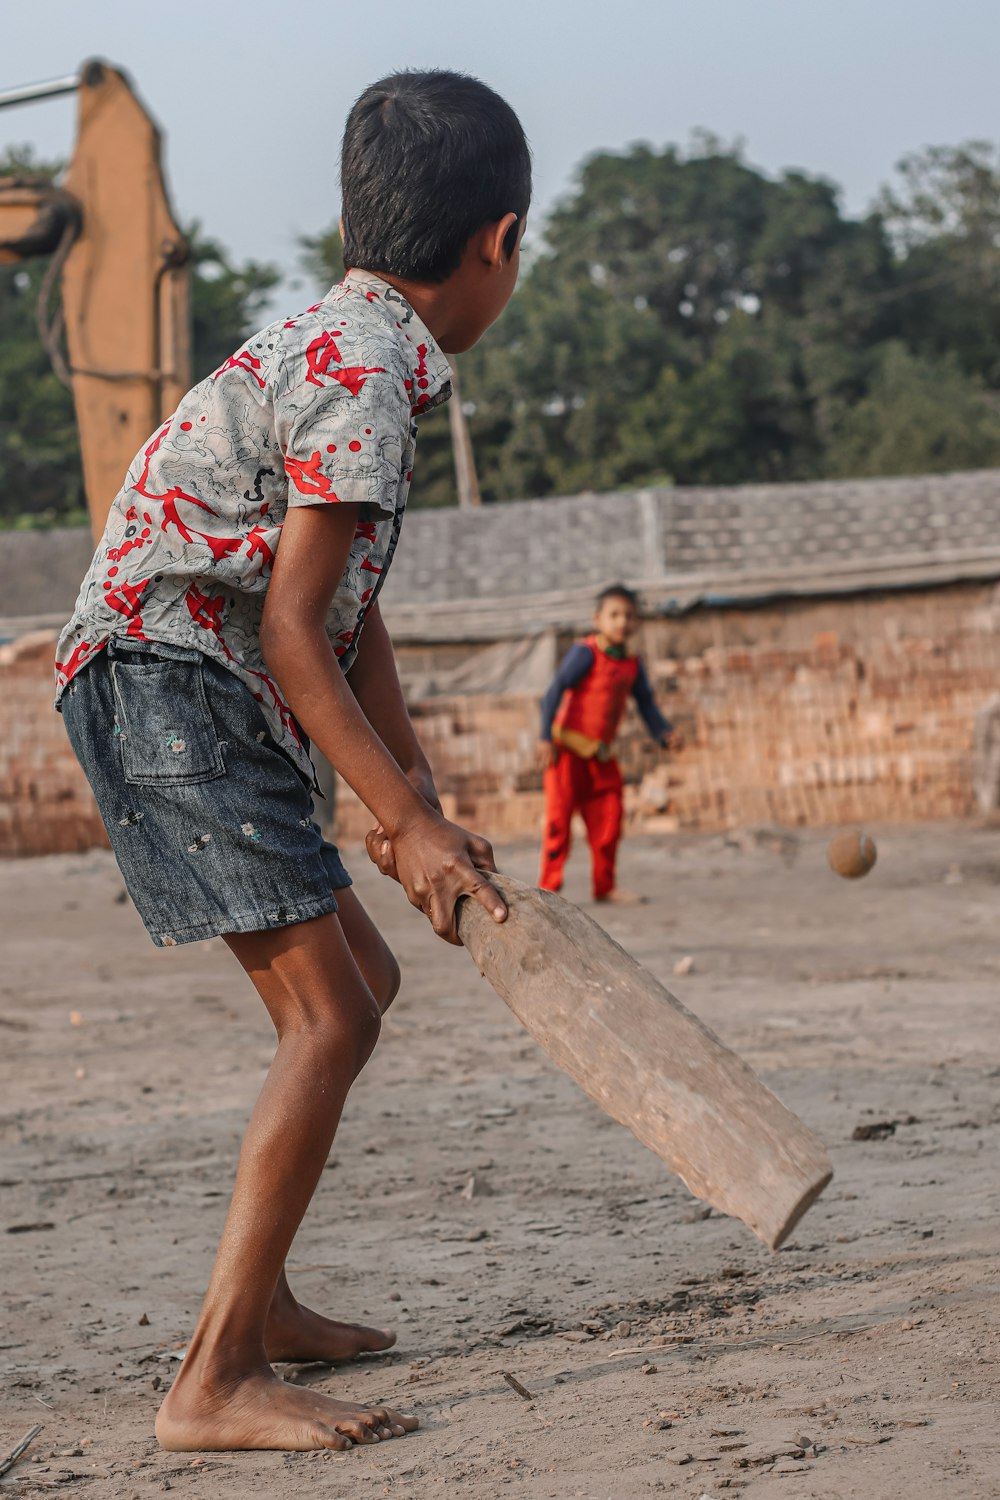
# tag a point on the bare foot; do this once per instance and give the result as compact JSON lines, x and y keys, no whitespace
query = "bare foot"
{"x":259,"y":1410}
{"x":621,"y":898}
{"x":295,"y":1332}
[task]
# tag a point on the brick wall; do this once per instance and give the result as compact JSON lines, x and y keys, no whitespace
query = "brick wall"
{"x":818,"y":711}
{"x":813,"y":711}
{"x":825,"y":712}
{"x":45,"y":802}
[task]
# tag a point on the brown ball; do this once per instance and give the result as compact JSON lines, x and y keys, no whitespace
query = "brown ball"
{"x":851,"y":854}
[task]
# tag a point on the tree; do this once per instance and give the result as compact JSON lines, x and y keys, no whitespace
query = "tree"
{"x":688,"y":320}
{"x":322,"y":258}
{"x":919,"y":416}
{"x":40,"y":476}
{"x":943,"y":215}
{"x":228,"y":301}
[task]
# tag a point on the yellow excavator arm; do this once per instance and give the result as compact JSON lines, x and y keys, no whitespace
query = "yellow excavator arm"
{"x":122,"y":265}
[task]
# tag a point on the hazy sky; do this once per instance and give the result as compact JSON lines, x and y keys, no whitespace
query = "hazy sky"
{"x":252,"y":94}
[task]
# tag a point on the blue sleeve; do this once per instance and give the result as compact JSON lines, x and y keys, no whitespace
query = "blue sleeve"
{"x":572,"y":670}
{"x":658,"y":726}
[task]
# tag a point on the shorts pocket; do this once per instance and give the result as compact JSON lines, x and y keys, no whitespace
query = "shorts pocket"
{"x":164,"y":722}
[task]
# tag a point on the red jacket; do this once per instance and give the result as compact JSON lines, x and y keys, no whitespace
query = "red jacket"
{"x":596,"y":706}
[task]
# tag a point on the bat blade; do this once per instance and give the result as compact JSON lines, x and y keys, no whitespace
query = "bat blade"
{"x":647,"y":1060}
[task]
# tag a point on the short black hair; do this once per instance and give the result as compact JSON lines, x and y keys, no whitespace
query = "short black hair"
{"x":618,"y":591}
{"x":428,"y":158}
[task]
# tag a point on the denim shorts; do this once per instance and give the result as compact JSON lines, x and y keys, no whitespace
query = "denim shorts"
{"x":211,"y":823}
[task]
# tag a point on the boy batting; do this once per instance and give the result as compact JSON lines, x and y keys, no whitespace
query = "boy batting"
{"x":230,"y":617}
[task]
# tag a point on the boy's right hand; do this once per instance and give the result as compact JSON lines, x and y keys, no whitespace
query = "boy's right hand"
{"x":437,"y":863}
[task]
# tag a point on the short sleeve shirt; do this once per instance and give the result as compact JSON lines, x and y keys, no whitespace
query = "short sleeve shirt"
{"x":316,"y":410}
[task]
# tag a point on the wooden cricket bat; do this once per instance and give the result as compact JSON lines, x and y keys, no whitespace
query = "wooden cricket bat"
{"x":646,"y":1060}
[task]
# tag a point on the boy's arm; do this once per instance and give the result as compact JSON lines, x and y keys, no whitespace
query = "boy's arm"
{"x":437,"y":862}
{"x":573,"y":668}
{"x":374,"y":681}
{"x":661,"y":729}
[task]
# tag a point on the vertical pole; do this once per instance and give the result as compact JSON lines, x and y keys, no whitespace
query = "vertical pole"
{"x":125,"y":285}
{"x":461,"y":447}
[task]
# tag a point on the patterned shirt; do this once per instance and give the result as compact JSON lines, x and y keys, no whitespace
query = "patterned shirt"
{"x":313,"y":411}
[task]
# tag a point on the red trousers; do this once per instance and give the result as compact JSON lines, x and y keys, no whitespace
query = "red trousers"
{"x":593,"y":788}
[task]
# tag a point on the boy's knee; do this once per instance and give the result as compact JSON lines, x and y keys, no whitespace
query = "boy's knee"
{"x":348,"y":1031}
{"x":389,"y":981}
{"x":367,"y":1025}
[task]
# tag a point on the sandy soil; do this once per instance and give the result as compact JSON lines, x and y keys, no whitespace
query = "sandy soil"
{"x":479,"y":1203}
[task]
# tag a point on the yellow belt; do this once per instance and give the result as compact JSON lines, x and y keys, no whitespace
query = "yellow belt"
{"x":581,"y":744}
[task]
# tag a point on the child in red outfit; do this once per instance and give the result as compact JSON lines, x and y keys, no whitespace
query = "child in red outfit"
{"x":581,"y":712}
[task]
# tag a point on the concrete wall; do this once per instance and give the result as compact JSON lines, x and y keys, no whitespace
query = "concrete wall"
{"x":681,"y":538}
{"x":547,"y":546}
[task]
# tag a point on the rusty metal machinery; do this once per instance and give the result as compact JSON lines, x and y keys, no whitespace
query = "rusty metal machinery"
{"x":121,"y":265}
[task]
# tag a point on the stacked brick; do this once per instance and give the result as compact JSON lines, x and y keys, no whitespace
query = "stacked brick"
{"x":815,"y":712}
{"x":482,"y":750}
{"x":798,"y":712}
{"x":859,"y":709}
{"x":833,"y":647}
{"x":45,"y":803}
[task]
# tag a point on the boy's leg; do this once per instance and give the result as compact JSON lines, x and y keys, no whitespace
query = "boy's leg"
{"x":293,"y":1331}
{"x":225,"y":1394}
{"x":602,"y":814}
{"x":558,"y":783}
{"x":369,"y":949}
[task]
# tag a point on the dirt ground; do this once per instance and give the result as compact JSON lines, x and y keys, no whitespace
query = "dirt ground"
{"x":486,"y":1209}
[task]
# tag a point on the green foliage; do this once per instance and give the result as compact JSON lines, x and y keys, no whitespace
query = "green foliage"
{"x":40,"y":478}
{"x":690,"y":319}
{"x":322,"y":257}
{"x":944,"y":219}
{"x":919,"y":416}
{"x":687,"y":319}
{"x":228,"y":301}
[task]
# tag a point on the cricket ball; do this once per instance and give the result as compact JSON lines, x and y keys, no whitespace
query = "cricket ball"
{"x":851,"y":855}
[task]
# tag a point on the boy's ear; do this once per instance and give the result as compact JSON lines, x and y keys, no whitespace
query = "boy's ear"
{"x":499,"y":241}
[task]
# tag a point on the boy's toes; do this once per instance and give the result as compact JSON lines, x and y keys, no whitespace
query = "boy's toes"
{"x":393,"y":1423}
{"x":329,"y":1437}
{"x":358,"y":1431}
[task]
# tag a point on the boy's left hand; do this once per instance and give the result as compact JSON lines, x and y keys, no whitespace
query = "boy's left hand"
{"x":435,"y":876}
{"x":546,"y":754}
{"x":378,"y":846}
{"x":673,"y":741}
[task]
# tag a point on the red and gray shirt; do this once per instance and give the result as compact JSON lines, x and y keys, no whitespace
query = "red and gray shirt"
{"x":316,"y":410}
